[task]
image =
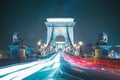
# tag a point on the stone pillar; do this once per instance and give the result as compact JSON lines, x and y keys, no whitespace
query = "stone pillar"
{"x":105,"y":50}
{"x":14,"y":51}
{"x":17,"y":52}
{"x":97,"y":53}
{"x":102,"y":51}
{"x":22,"y":54}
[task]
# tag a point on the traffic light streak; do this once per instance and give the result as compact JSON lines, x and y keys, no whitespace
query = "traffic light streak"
{"x":97,"y":64}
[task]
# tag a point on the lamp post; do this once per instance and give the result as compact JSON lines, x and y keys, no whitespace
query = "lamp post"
{"x":39,"y":43}
{"x":45,"y":45}
{"x":75,"y":45}
{"x":80,"y":44}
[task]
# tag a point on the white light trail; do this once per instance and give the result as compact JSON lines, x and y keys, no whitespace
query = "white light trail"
{"x":15,"y":68}
{"x":31,"y":71}
{"x":57,"y":61}
{"x":21,"y":74}
{"x":7,"y":70}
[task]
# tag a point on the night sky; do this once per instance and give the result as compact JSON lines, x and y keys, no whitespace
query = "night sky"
{"x":28,"y":17}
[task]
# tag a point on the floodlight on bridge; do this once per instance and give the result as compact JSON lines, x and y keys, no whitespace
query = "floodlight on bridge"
{"x":60,"y":19}
{"x":60,"y":42}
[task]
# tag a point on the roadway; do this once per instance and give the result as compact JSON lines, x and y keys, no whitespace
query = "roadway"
{"x":42,"y":69}
{"x":53,"y":68}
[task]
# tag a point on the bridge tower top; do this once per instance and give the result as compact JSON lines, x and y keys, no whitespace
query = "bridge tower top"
{"x":60,"y":27}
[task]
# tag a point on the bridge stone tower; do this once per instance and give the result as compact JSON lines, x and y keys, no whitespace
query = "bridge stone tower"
{"x":60,"y":27}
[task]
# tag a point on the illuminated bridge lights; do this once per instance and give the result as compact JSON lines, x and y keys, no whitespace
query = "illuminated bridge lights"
{"x":60,"y":19}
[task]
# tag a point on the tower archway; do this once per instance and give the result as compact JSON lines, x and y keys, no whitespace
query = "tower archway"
{"x":60,"y":42}
{"x":60,"y":38}
{"x":60,"y":26}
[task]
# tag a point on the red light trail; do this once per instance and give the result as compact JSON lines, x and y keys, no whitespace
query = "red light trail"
{"x":111,"y":66}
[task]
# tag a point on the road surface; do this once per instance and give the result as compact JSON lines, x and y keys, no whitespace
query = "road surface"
{"x":53,"y":68}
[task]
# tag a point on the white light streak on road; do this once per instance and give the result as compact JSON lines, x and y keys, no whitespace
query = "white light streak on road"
{"x":15,"y":68}
{"x":33,"y":67}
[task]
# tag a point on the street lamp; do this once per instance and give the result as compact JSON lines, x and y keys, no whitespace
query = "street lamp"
{"x":39,"y":43}
{"x":45,"y":45}
{"x":75,"y":45}
{"x":80,"y":44}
